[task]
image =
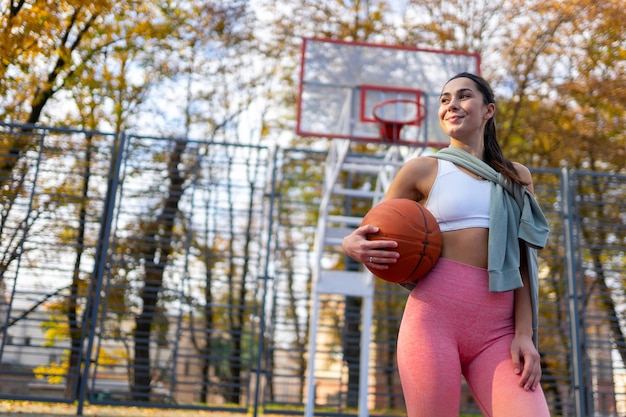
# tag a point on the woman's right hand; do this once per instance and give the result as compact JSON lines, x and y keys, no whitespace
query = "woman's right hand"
{"x":377,"y":254}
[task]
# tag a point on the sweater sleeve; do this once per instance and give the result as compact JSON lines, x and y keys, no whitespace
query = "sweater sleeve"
{"x":503,"y":260}
{"x":533,"y":228}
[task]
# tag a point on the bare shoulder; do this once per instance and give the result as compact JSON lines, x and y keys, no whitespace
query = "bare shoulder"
{"x":524,"y":174}
{"x":423,"y":165}
{"x":414,"y":179}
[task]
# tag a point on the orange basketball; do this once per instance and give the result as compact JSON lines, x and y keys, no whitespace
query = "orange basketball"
{"x":417,"y":233}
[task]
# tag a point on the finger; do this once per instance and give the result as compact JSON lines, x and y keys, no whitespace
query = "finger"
{"x":378,"y":252}
{"x":378,"y":266}
{"x":382,"y":245}
{"x":517,"y":365}
{"x":368,"y":229}
{"x":531,"y":383}
{"x":536,"y":378}
{"x":384,"y":255}
{"x":531,"y":375}
{"x":384,"y":258}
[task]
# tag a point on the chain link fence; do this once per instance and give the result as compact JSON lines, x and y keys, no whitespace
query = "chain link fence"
{"x":175,"y":273}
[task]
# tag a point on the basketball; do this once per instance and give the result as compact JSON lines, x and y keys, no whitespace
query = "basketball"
{"x":415,"y":229}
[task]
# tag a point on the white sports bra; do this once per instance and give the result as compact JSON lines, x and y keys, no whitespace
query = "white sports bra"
{"x":458,"y":200}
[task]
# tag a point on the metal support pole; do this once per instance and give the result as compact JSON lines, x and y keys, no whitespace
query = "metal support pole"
{"x":97,"y":277}
{"x":576,"y":341}
{"x":271,"y":195}
{"x":310,"y":378}
{"x":364,"y":364}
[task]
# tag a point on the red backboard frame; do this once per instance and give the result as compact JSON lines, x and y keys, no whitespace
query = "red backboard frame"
{"x":367,"y":117}
{"x":334,"y":75}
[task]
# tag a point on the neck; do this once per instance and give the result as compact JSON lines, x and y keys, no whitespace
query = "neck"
{"x":476,"y":149}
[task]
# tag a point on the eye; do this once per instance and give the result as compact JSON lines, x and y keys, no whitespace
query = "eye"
{"x":444,"y":100}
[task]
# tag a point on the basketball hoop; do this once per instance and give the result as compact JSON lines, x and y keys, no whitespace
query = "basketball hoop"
{"x":392,"y":115}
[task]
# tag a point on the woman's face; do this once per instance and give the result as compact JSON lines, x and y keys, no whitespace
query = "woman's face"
{"x":462,"y":111}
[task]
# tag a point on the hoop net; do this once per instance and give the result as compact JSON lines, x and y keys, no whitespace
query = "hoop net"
{"x":393,"y":115}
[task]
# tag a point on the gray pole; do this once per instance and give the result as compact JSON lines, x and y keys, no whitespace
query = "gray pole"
{"x":97,"y":277}
{"x":576,"y":342}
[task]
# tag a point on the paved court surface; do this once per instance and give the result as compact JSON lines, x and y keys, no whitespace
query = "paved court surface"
{"x":26,"y":409}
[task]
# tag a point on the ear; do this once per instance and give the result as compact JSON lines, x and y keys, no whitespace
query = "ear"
{"x":491,"y":110}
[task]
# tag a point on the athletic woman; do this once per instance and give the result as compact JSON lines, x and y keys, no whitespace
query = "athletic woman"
{"x":466,"y":317}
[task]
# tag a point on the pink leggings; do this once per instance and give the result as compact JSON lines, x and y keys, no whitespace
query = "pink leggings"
{"x":452,"y":326}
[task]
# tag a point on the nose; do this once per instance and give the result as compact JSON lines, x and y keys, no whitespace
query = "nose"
{"x":452,"y":104}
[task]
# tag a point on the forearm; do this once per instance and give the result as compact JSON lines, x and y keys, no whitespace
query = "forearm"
{"x":526,"y":360}
{"x":523,"y":309}
{"x":523,"y":303}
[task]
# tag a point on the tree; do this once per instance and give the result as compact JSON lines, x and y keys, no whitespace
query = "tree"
{"x":106,"y":57}
{"x":557,"y":67}
{"x":565,"y":107}
{"x":472,"y":26}
{"x":208,"y":37}
{"x":352,"y":21}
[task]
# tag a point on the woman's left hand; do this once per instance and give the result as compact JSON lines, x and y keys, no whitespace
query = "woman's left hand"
{"x":526,"y":361}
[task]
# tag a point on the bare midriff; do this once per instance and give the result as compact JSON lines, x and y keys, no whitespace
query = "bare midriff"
{"x":468,"y":246}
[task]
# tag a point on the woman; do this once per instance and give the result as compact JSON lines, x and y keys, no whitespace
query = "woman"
{"x":466,"y":316}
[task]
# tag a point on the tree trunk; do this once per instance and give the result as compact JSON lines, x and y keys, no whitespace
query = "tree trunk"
{"x":159,"y":241}
{"x":75,"y":329}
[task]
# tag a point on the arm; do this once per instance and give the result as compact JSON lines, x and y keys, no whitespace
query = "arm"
{"x":526,"y":359}
{"x":408,"y":183}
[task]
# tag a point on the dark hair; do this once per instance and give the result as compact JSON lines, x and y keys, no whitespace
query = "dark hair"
{"x":493,"y":155}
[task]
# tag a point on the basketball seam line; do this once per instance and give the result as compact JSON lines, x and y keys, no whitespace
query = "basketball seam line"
{"x":425,"y":242}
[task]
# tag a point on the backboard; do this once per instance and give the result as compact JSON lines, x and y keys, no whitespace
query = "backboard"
{"x":343,"y":85}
